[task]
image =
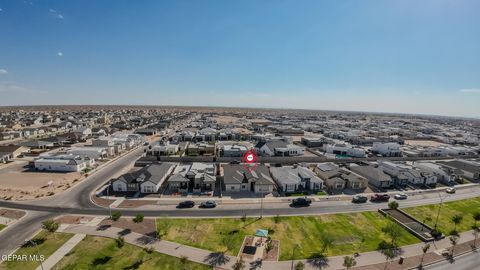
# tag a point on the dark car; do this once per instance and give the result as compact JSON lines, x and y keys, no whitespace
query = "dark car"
{"x":380,"y":198}
{"x":208,"y":204}
{"x":234,"y":162}
{"x":359,"y":199}
{"x":301,"y":202}
{"x":186,"y":204}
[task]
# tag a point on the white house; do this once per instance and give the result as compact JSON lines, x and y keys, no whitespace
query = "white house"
{"x":146,"y":180}
{"x":295,"y":179}
{"x":344,"y":150}
{"x":390,"y":149}
{"x":278,"y":148}
{"x":95,"y":153}
{"x":443,"y":174}
{"x":62,"y":163}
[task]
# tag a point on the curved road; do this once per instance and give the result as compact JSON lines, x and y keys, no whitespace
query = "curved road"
{"x":77,"y":201}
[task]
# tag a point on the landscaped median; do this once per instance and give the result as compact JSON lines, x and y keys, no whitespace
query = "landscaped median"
{"x":47,"y":244}
{"x":300,"y":237}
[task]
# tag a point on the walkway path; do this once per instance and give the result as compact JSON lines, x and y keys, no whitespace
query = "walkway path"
{"x":208,"y":257}
{"x":61,"y":252}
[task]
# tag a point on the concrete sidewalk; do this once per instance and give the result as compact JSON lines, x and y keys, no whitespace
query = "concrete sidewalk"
{"x":61,"y":252}
{"x":207,"y":257}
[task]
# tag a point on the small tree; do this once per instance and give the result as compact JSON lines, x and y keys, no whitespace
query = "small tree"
{"x":348,"y":262}
{"x":244,"y":218}
{"x":239,"y":264}
{"x":425,"y":249}
{"x":269,"y":245}
{"x":454,"y":242}
{"x":393,"y":205}
{"x":138,"y":218}
{"x":393,"y":231}
{"x":389,"y":254}
{"x":299,"y":266}
{"x":116,"y":215}
{"x":276,"y":219}
{"x":183,"y":261}
{"x":476,"y":218}
{"x":50,"y":225}
{"x":327,"y":241}
{"x":120,"y":241}
{"x":456,"y":219}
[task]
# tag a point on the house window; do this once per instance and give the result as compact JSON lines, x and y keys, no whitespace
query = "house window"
{"x":232,"y":187}
{"x":243,"y":186}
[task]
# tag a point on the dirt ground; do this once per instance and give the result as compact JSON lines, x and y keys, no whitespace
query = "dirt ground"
{"x":18,"y":182}
{"x":14,"y":214}
{"x":73,"y":219}
{"x":147,"y":227}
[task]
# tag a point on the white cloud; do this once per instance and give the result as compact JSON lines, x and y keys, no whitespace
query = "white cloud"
{"x":60,"y":16}
{"x":52,"y":10}
{"x":60,"y":54}
{"x":57,"y":14}
{"x":3,"y":71}
{"x":1,"y":9}
{"x":470,"y":90}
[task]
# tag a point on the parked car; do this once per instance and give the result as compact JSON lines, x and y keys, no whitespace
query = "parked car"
{"x":208,"y":204}
{"x":401,"y":196}
{"x":451,"y":190}
{"x":301,"y":202}
{"x":234,"y":162}
{"x":186,"y":204}
{"x":359,"y":198}
{"x":380,"y":198}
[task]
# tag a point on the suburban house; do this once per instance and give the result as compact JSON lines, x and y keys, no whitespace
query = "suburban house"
{"x":196,"y":177}
{"x":163,"y":148}
{"x":278,"y":148}
{"x":14,"y":150}
{"x":62,"y":163}
{"x":344,"y":150}
{"x":206,"y":134}
{"x":291,"y":179}
{"x":232,"y":150}
{"x":37,"y":144}
{"x":200,"y":149}
{"x":390,"y":149}
{"x":374,"y":174}
{"x":313,"y":142}
{"x":83,"y":132}
{"x":146,"y":180}
{"x":445,"y":175}
{"x":336,"y":179}
{"x":95,"y":153}
{"x":470,"y":169}
{"x":403,"y":174}
{"x":238,"y":178}
{"x":146,"y":131}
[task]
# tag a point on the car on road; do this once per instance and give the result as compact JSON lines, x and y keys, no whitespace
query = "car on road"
{"x":145,"y":143}
{"x":186,"y":204}
{"x":380,"y":198}
{"x":451,"y":190}
{"x":401,"y":196}
{"x":208,"y":204}
{"x":301,"y":202}
{"x":359,"y":198}
{"x":234,"y":162}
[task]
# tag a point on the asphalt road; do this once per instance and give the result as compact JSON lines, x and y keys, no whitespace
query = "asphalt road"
{"x":470,"y":261}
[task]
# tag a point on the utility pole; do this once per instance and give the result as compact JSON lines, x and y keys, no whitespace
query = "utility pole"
{"x":38,"y":251}
{"x":108,"y":197}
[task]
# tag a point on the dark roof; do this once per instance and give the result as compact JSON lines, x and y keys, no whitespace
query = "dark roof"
{"x":153,"y":173}
{"x":9,"y":148}
{"x":237,"y":174}
{"x":462,"y":165}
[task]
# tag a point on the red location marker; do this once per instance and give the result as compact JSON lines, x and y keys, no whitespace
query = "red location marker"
{"x":250,"y":159}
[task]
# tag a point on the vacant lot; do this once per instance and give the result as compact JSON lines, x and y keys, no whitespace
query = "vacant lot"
{"x":102,"y":253}
{"x":17,"y":182}
{"x":356,"y":232}
{"x":464,"y":208}
{"x":47,"y":244}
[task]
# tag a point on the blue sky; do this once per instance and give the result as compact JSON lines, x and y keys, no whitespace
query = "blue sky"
{"x":392,"y":56}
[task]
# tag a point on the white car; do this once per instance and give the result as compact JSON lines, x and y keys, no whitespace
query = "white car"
{"x":401,"y":196}
{"x":451,"y":190}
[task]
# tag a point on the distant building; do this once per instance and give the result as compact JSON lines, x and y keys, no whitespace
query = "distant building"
{"x":278,"y":148}
{"x":232,"y":150}
{"x":389,"y":149}
{"x":344,"y":150}
{"x":62,"y":163}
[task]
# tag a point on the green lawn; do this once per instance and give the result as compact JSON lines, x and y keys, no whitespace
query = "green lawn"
{"x":103,"y":253}
{"x":355,"y":232}
{"x":2,"y":226}
{"x":47,"y":244}
{"x":464,"y":208}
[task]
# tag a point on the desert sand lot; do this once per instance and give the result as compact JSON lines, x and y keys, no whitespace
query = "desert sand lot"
{"x":424,"y":143}
{"x":18,"y":182}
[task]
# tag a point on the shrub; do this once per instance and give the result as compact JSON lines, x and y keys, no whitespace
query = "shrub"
{"x":120,"y":241}
{"x":116,"y":215}
{"x":138,"y":218}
